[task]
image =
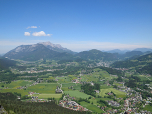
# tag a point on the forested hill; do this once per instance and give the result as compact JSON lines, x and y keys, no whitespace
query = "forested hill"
{"x":11,"y":104}
{"x":96,"y":54}
{"x":142,"y":64}
{"x":6,"y":63}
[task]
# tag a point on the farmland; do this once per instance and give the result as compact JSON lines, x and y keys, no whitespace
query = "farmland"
{"x":91,"y":107}
{"x":45,"y":96}
{"x":77,"y":94}
{"x":43,"y":88}
{"x":18,"y":83}
{"x":117,"y":92}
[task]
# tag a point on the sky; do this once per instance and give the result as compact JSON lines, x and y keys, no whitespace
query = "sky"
{"x":76,"y":24}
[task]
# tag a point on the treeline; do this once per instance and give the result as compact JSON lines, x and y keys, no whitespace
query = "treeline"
{"x":89,"y":89}
{"x":9,"y":102}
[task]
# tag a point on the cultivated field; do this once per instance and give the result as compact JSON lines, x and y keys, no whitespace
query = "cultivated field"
{"x":117,"y":92}
{"x":44,"y":88}
{"x":45,"y":96}
{"x":21,"y":91}
{"x":18,"y":83}
{"x":91,"y":107}
{"x":76,"y":94}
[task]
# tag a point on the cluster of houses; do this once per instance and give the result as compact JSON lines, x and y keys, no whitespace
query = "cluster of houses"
{"x":113,"y":103}
{"x":68,"y":103}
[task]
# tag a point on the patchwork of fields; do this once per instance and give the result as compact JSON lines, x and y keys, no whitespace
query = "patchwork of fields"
{"x":117,"y":92}
{"x":77,"y":94}
{"x":44,"y":88}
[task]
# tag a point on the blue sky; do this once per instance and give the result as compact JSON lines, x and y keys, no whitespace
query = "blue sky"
{"x":76,"y":24}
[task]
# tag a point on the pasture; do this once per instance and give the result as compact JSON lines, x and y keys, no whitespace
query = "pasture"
{"x":77,"y":94}
{"x":63,"y":79}
{"x":91,"y":107}
{"x":21,"y":91}
{"x":18,"y":83}
{"x":43,"y":88}
{"x":45,"y":96}
{"x":117,"y":92}
{"x":76,"y":86}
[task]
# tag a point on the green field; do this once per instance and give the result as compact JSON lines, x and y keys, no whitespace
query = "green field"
{"x":63,"y":79}
{"x":18,"y":83}
{"x":117,"y":84}
{"x":43,"y":88}
{"x":117,"y":92}
{"x":91,"y":107}
{"x":21,"y":91}
{"x":96,"y":75}
{"x":76,"y":86}
{"x":45,"y":96}
{"x":148,"y":108}
{"x":77,"y":94}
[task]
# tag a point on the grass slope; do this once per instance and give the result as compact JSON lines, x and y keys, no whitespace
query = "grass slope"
{"x":91,"y":107}
{"x":117,"y":92}
{"x":77,"y":94}
{"x":44,"y":88}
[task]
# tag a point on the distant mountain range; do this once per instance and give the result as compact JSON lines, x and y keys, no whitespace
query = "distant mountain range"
{"x":144,"y":50}
{"x":47,"y":50}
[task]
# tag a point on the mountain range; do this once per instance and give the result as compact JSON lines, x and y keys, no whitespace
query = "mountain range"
{"x":47,"y":50}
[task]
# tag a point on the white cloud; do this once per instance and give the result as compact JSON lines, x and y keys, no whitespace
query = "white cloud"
{"x":31,"y":27}
{"x":41,"y":33}
{"x":26,"y":33}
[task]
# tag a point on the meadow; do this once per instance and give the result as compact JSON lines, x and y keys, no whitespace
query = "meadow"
{"x":18,"y":83}
{"x":21,"y":91}
{"x":76,"y":86}
{"x":117,"y":92}
{"x":91,"y":107}
{"x":77,"y":94}
{"x":148,"y":108}
{"x":43,"y":88}
{"x":45,"y":96}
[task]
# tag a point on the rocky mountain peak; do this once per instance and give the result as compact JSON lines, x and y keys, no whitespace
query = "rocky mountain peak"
{"x":50,"y":44}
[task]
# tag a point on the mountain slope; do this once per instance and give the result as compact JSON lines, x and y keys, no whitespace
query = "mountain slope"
{"x":97,"y":55}
{"x":56,"y":47}
{"x":35,"y":52}
{"x":142,"y":64}
{"x":6,"y":63}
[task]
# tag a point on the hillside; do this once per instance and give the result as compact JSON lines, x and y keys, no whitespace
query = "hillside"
{"x":97,"y":55}
{"x":143,"y":64}
{"x":6,"y":63}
